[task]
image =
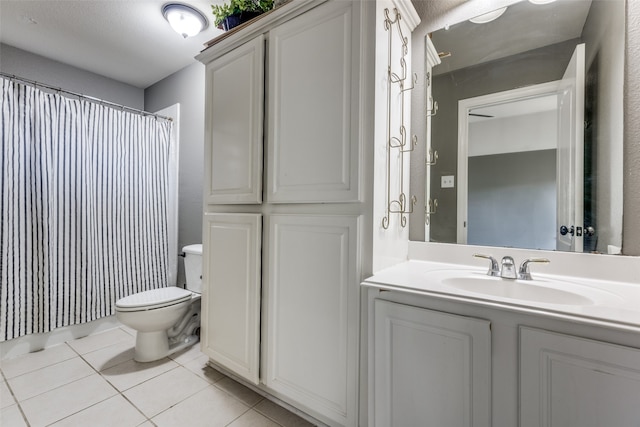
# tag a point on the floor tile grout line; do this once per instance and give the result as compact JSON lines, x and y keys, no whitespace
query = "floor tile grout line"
{"x":213,"y":383}
{"x":135,"y":385}
{"x":84,"y":409}
{"x":188,"y":397}
{"x":267,"y":416}
{"x":147,"y":418}
{"x":232,"y":421}
{"x":177,"y":403}
{"x":102,"y":348}
{"x":149,"y":379}
{"x":52,"y":389}
{"x":35,"y":352}
{"x":96,"y":372}
{"x":17,"y":403}
{"x":99,"y":348}
{"x":121,"y":392}
{"x":118,"y":392}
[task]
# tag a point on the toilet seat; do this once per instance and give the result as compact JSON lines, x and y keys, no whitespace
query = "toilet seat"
{"x":153,"y":299}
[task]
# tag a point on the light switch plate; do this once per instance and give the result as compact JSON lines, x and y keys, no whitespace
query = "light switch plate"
{"x":447,"y":181}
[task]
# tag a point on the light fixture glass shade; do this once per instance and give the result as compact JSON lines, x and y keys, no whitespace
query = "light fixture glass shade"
{"x":488,"y":17}
{"x":541,"y":1}
{"x":184,"y":19}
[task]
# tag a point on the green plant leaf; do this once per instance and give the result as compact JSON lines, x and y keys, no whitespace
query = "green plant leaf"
{"x":232,"y":7}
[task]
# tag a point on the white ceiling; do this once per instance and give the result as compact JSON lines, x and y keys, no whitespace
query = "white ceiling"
{"x":126,"y":40}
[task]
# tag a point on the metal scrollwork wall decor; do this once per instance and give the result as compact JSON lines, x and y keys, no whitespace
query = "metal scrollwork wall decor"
{"x":398,"y":141}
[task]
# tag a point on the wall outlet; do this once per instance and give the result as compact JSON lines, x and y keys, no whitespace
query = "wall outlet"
{"x":447,"y":181}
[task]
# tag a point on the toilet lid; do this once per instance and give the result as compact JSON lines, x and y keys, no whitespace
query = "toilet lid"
{"x":154,"y":298}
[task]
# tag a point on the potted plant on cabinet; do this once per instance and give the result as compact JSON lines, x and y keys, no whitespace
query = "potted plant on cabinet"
{"x":236,"y":12}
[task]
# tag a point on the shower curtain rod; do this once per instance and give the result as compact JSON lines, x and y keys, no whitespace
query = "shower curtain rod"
{"x":81,"y":96}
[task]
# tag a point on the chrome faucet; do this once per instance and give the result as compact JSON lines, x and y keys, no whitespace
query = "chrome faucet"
{"x":523,"y":272}
{"x":494,"y":269}
{"x":507,"y":269}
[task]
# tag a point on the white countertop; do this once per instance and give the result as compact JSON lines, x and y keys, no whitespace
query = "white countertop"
{"x":615,"y":304}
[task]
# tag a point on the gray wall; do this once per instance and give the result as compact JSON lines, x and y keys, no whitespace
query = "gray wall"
{"x":185,"y":87}
{"x":516,"y":208}
{"x":25,"y":64}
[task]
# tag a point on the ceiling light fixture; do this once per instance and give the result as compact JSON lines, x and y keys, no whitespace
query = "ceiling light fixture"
{"x":488,"y":17}
{"x":541,"y":1}
{"x":184,"y":19}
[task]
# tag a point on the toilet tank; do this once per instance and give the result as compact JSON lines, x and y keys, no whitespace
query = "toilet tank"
{"x":193,"y":267}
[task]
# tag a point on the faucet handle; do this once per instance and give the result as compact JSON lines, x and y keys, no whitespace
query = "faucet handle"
{"x":523,"y":272}
{"x":494,"y":269}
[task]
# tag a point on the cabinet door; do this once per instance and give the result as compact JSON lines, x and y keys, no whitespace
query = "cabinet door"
{"x":430,"y":368}
{"x":312,"y":300}
{"x":234,"y":137}
{"x":568,"y":381}
{"x":231,"y":292}
{"x":313,"y":143}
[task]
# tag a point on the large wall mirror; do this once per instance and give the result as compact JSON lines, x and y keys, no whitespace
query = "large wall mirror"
{"x":524,"y":108}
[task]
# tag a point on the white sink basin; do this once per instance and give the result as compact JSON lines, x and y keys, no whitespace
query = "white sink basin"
{"x":536,"y":290}
{"x":516,"y":289}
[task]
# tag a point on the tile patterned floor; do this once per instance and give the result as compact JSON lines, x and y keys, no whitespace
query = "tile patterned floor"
{"x":94,"y":381}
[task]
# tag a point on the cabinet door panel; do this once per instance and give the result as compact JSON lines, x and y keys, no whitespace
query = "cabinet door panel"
{"x":431,"y":368}
{"x":568,"y":381}
{"x":235,"y":84}
{"x":231,"y":293}
{"x":313,"y":133}
{"x":312,"y":313}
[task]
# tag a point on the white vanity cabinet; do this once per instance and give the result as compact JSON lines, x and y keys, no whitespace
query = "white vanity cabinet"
{"x":434,"y":361}
{"x":430,"y":368}
{"x":572,"y":381}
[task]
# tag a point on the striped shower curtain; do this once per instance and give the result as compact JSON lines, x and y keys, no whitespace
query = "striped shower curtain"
{"x":83,"y":208}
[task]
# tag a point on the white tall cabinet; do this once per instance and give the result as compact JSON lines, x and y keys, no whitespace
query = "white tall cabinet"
{"x":233,"y":154}
{"x":311,"y":312}
{"x":231,"y":320}
{"x":313,"y":114}
{"x":290,"y":143}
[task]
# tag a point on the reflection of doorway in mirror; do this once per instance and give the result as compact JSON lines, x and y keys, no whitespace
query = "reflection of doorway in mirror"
{"x":516,"y":208}
{"x":517,"y":133}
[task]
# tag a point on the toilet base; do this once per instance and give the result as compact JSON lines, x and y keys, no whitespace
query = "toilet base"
{"x":157,"y":344}
{"x":151,"y":346}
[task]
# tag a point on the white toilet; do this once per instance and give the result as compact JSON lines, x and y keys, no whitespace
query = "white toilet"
{"x":166,"y":320}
